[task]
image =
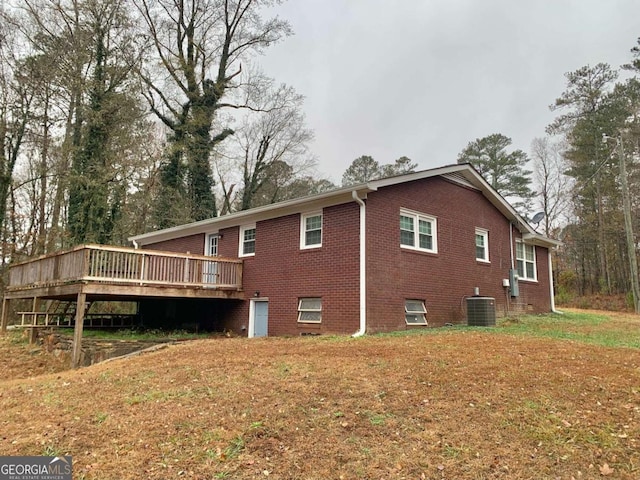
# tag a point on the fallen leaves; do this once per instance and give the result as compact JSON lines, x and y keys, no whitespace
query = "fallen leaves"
{"x":436,"y":406}
{"x":606,"y":470}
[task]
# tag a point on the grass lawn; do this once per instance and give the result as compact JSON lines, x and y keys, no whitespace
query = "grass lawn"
{"x":540,"y":397}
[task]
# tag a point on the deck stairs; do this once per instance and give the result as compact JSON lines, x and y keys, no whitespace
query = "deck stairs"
{"x":57,"y":313}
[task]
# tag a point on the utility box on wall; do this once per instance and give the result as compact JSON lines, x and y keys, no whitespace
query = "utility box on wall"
{"x":513,"y":282}
{"x":481,"y":311}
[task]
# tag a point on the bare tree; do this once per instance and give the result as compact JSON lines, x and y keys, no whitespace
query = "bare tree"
{"x":56,"y":35}
{"x":16,"y":100}
{"x":95,"y":190}
{"x":200,"y":45}
{"x":82,"y":143}
{"x":551,"y":182}
{"x":273,"y":150}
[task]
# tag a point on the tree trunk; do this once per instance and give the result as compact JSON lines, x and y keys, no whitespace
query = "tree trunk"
{"x":603,"y":274}
{"x":41,"y":240}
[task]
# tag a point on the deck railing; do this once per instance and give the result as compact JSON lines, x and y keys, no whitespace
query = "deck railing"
{"x":100,"y":263}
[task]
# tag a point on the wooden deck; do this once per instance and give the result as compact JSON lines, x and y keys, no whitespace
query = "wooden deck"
{"x":97,"y":272}
{"x":108,"y":272}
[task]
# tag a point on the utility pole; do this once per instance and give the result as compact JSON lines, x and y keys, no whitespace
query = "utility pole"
{"x":628,"y":227}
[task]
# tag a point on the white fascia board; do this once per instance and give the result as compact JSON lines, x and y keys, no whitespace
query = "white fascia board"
{"x":410,"y":177}
{"x":498,"y":201}
{"x":504,"y":206}
{"x":474,"y":178}
{"x":343,"y":195}
{"x":281,"y":209}
{"x":540,"y":240}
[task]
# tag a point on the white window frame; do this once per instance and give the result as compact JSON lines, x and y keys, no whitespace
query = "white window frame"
{"x":304,"y":230}
{"x":302,"y":310}
{"x":417,"y":218}
{"x":481,"y":232}
{"x":422,"y":313}
{"x":522,"y":261}
{"x":241,"y":241}
{"x":208,"y":250}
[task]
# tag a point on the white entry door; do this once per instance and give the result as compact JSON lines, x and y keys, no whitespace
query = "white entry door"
{"x":259,"y":322}
{"x":210,"y":270}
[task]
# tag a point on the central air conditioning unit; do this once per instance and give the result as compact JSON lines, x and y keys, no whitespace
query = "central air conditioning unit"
{"x":481,"y":311}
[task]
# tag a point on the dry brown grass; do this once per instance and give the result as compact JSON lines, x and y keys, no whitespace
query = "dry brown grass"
{"x":456,"y":404}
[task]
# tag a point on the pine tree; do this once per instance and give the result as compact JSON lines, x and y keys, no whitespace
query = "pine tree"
{"x":361,"y":170}
{"x":505,"y":171}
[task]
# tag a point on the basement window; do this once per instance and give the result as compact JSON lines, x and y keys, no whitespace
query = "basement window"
{"x":415,"y":312}
{"x":310,"y":310}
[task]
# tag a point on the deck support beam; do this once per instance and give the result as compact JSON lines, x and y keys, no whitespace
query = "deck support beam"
{"x":81,"y":303}
{"x":5,"y":316}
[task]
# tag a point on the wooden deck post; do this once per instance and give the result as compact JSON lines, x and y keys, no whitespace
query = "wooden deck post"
{"x":33,"y":335}
{"x":185,"y":278}
{"x":77,"y":330}
{"x":35,"y":308}
{"x":5,"y":316}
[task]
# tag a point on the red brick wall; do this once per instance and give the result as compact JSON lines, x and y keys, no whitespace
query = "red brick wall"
{"x":444,"y":279}
{"x":283,"y":273}
{"x":535,"y":296}
{"x":192,"y":244}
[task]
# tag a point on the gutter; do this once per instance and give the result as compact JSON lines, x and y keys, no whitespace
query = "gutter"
{"x":363,"y":271}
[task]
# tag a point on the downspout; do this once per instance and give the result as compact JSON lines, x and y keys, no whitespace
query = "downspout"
{"x":135,"y":244}
{"x":551,"y":290}
{"x":511,"y":244}
{"x":363,"y":270}
{"x":512,"y":267}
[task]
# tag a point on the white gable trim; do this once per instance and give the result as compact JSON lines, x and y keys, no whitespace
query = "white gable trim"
{"x":463,"y":174}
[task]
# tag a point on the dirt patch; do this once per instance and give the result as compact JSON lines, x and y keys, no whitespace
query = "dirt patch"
{"x":456,"y":404}
{"x":21,"y":360}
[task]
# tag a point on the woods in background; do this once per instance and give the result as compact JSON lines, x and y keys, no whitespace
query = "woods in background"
{"x":118,"y":117}
{"x":117,"y":120}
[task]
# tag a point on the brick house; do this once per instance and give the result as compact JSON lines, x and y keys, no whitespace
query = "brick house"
{"x":390,"y":254}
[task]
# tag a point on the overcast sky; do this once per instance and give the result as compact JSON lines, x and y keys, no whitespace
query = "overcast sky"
{"x":423,"y":78}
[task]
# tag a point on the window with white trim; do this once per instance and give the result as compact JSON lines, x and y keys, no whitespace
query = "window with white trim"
{"x":310,"y":310}
{"x":482,"y":245}
{"x":415,"y":312}
{"x":212,"y":245}
{"x":526,"y":261}
{"x":311,"y":230}
{"x":247,"y":241}
{"x":418,"y":231}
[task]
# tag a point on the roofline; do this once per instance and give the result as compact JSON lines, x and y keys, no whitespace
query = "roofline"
{"x":470,"y":174}
{"x":539,"y":239}
{"x":244,"y":217}
{"x":344,"y":195}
